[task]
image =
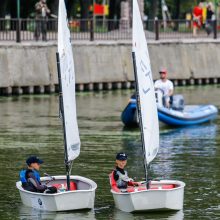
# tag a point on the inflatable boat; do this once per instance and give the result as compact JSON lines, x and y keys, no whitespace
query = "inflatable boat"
{"x":177,"y":116}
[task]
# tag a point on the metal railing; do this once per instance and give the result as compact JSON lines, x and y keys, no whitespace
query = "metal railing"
{"x":101,"y":29}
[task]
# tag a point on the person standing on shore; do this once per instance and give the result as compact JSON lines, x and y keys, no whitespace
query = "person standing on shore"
{"x":42,"y":12}
{"x":209,"y":18}
{"x":197,"y":18}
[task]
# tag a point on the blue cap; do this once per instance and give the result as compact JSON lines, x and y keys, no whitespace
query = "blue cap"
{"x":33,"y":159}
{"x":121,"y":156}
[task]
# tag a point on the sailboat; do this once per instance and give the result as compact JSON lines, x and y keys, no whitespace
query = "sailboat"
{"x":152,"y":195}
{"x":74,"y":192}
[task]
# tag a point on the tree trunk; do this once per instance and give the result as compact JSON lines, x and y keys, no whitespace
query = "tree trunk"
{"x":84,"y":24}
{"x":153,"y":9}
{"x":114,"y":14}
{"x":177,"y":14}
{"x":3,"y":8}
{"x":69,"y":7}
{"x":152,"y":13}
{"x":124,"y":20}
{"x":53,"y":6}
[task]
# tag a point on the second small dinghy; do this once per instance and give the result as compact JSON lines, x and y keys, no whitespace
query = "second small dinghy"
{"x":154,"y":195}
{"x":74,"y":192}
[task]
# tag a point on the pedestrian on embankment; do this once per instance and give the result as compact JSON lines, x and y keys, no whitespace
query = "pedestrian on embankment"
{"x":42,"y":11}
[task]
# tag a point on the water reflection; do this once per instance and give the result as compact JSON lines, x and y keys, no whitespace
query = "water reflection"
{"x":29,"y":213}
{"x":119,"y":215}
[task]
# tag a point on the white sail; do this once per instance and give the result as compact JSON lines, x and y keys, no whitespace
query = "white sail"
{"x":146,"y":87}
{"x":68,"y":84}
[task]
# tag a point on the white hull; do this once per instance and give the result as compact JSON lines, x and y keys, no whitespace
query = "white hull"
{"x":149,"y":200}
{"x":82,"y":198}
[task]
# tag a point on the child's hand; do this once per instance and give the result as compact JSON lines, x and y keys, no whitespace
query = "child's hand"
{"x":137,"y":184}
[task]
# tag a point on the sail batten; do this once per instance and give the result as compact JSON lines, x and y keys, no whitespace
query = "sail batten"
{"x":67,"y":81}
{"x":148,"y":108}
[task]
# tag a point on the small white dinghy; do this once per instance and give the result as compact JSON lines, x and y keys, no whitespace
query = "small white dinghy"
{"x":74,"y":192}
{"x":155,"y":195}
{"x":161,"y":196}
{"x":81,"y":198}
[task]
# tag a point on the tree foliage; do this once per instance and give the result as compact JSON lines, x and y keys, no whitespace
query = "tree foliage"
{"x":27,"y":9}
{"x":177,"y":8}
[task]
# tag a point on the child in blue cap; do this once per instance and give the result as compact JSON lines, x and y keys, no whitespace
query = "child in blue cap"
{"x":120,"y":175}
{"x":30,"y":177}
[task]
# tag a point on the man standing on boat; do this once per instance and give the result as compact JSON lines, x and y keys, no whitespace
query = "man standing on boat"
{"x":166,"y":86}
{"x":30,"y":177}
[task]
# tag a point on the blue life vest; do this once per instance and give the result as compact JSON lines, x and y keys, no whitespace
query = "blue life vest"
{"x":23,"y":176}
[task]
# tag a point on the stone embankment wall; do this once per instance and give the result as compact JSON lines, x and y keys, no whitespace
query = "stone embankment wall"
{"x":31,"y":68}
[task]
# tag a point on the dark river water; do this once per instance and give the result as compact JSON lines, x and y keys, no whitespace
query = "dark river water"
{"x":30,"y":125}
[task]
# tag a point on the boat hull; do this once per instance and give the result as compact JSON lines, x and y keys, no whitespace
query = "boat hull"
{"x":191,"y":115}
{"x":82,"y":198}
{"x":151,"y":200}
{"x":129,"y":115}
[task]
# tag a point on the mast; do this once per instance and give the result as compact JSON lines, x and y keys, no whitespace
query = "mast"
{"x":140,"y":119}
{"x":63,"y":122}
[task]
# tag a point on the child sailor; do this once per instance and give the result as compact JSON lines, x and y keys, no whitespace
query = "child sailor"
{"x":30,"y":177}
{"x":120,"y":180}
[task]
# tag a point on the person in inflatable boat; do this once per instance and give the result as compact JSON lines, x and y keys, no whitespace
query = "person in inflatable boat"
{"x":166,"y":86}
{"x":120,"y":175}
{"x":30,"y":177}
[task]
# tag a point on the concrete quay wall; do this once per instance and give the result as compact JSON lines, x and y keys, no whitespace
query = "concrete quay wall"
{"x":31,"y":67}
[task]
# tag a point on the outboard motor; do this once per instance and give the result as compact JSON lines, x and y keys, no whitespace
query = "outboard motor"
{"x":178,"y":102}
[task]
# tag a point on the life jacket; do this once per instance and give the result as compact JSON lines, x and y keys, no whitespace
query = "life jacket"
{"x":23,"y":178}
{"x":123,"y":179}
{"x":114,"y":185}
{"x":113,"y":182}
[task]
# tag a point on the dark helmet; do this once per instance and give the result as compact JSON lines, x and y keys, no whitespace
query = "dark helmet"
{"x":33,"y":159}
{"x":121,"y":156}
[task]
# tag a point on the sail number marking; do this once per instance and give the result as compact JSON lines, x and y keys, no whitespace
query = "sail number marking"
{"x":147,"y":73}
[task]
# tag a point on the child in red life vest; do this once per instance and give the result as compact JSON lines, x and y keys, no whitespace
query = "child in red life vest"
{"x":120,"y":175}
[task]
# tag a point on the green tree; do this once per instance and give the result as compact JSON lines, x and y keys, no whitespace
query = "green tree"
{"x":84,"y":6}
{"x":153,"y":8}
{"x":178,"y":8}
{"x":114,"y":14}
{"x":3,"y":8}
